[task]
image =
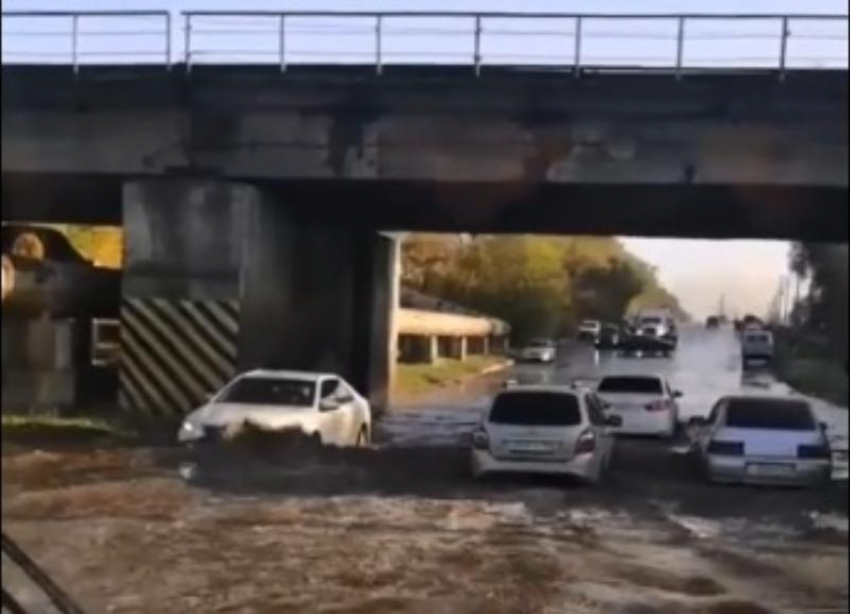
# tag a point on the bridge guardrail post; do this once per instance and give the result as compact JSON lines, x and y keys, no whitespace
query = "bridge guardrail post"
{"x":187,"y":50}
{"x":75,"y":34}
{"x":477,"y":45}
{"x":783,"y":51}
{"x":680,"y":47}
{"x":379,"y":66}
{"x":168,"y":41}
{"x":282,"y":43}
{"x":577,"y":50}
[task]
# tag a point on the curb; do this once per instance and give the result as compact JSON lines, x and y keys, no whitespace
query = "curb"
{"x":495,"y":368}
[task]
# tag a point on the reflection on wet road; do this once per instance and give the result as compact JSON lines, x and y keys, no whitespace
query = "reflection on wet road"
{"x":706,"y":366}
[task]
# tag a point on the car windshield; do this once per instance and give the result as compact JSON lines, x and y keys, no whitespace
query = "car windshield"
{"x":770,"y":414}
{"x":632,"y":385}
{"x":270,"y":391}
{"x":540,"y":343}
{"x":536,"y":409}
{"x":651,"y":321}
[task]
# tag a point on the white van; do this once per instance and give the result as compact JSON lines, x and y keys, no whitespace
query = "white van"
{"x":756,"y":344}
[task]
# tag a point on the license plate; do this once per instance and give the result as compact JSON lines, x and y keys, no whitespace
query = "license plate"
{"x":530,"y":446}
{"x":770,"y":470}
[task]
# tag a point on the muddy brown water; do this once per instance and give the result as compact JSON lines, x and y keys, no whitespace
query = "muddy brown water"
{"x":402,"y":529}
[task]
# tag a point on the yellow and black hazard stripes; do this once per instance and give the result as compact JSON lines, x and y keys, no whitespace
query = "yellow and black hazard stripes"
{"x":175,"y":352}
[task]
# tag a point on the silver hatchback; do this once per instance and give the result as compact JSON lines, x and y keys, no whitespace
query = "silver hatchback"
{"x":763,"y":440}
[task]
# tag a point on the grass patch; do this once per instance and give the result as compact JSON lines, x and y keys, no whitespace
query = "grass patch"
{"x":818,"y":378}
{"x":808,"y":367}
{"x":60,"y":430}
{"x":417,"y":379}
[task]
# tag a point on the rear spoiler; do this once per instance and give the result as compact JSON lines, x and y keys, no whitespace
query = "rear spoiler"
{"x":57,"y":596}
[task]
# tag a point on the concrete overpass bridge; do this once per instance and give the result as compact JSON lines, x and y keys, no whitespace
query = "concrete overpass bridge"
{"x":253,"y":195}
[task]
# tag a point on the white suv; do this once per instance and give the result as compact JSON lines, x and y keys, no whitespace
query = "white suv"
{"x":544,"y":429}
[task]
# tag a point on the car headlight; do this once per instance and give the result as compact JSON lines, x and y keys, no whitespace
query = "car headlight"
{"x":189,"y":427}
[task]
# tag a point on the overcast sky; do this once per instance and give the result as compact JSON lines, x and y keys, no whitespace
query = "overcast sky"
{"x":699,"y":272}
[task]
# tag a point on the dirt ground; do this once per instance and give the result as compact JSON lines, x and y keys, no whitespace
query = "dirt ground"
{"x":405,"y":531}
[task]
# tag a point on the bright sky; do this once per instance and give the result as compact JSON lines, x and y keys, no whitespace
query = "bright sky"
{"x":698,"y":272}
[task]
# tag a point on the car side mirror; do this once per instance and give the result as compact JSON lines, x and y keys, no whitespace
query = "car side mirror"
{"x":328,"y":404}
{"x":823,"y":426}
{"x":605,"y":405}
{"x":678,"y":394}
{"x":615,"y":421}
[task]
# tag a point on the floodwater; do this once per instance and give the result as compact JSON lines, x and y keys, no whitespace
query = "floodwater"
{"x":402,"y":529}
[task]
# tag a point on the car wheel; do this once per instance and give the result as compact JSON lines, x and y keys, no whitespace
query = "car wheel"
{"x":362,"y":437}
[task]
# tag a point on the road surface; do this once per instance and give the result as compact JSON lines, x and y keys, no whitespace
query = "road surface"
{"x":402,"y":528}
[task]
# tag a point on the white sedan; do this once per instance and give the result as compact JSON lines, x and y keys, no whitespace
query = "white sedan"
{"x":322,"y":406}
{"x":647,"y":404}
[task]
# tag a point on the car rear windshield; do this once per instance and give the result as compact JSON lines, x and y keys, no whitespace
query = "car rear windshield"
{"x":270,"y":391}
{"x":536,"y":409}
{"x":631,"y":385}
{"x":650,"y":320}
{"x":758,"y":337}
{"x":770,"y":414}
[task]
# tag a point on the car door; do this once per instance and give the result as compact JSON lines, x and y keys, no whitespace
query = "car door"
{"x":332,"y":412}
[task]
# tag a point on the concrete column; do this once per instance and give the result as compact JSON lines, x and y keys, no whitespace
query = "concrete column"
{"x":485,"y":345}
{"x":222,"y":279}
{"x":180,"y":311}
{"x":462,"y":348}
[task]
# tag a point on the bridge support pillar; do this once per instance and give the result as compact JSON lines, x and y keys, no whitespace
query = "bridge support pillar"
{"x":220,"y":279}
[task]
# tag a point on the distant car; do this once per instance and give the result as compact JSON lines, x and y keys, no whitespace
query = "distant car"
{"x":544,"y":429}
{"x":539,"y":350}
{"x":589,"y":330}
{"x":646,"y":404}
{"x":321,"y":406}
{"x":646,"y":345}
{"x":712,"y":322}
{"x":756,"y":345}
{"x":763,"y":440}
{"x":609,"y":337}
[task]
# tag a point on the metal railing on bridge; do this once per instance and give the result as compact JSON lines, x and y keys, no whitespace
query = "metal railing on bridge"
{"x":571,"y":43}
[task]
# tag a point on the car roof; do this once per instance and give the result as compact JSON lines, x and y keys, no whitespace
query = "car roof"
{"x":550,"y":388}
{"x":657,"y":376}
{"x":768,"y":398}
{"x":307,"y":376}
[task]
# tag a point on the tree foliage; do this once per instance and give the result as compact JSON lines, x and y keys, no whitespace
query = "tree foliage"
{"x":825,"y":308}
{"x":540,"y":285}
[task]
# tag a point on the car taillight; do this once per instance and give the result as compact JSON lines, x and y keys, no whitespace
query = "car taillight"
{"x":657,"y":406}
{"x":814,"y":452}
{"x":480,"y":440}
{"x":726,"y":448}
{"x":586,"y":443}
